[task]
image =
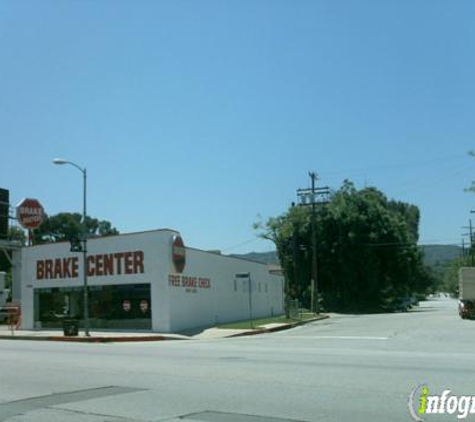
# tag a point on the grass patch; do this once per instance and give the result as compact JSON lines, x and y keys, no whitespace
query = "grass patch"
{"x":243,"y":325}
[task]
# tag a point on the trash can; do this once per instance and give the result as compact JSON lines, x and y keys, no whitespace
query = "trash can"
{"x":70,"y":327}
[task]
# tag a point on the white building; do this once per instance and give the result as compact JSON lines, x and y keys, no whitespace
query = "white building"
{"x":147,"y":280}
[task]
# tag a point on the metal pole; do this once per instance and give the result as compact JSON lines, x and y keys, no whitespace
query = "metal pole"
{"x":471,"y":244}
{"x":314,"y":286}
{"x":294,"y":247}
{"x":62,"y":161}
{"x":84,"y":254}
{"x":250,"y":301}
{"x":312,"y":194}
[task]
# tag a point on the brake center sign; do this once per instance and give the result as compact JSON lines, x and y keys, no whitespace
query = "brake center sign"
{"x":30,"y":213}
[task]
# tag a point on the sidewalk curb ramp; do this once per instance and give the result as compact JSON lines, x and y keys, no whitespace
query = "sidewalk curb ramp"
{"x":279,"y":328}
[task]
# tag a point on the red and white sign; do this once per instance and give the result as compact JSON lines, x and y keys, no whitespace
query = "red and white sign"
{"x":178,"y":254}
{"x":113,"y":264}
{"x":143,"y":306}
{"x":126,"y":305}
{"x":30,"y":213}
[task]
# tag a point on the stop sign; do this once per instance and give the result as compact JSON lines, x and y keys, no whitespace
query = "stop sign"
{"x":30,"y":213}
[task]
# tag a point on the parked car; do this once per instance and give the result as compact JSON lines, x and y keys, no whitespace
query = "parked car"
{"x":399,"y":304}
{"x":466,"y":309}
{"x":466,"y":292}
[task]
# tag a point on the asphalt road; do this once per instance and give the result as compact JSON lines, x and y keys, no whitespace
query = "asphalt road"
{"x":346,"y":368}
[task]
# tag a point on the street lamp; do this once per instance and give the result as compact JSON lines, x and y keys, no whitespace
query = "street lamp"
{"x":61,"y":161}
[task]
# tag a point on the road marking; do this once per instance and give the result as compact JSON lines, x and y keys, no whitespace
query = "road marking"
{"x":19,"y":407}
{"x":341,"y":337}
{"x":209,"y":416}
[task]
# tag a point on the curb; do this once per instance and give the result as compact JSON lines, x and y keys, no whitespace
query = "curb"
{"x":122,"y":339}
{"x":280,"y":328}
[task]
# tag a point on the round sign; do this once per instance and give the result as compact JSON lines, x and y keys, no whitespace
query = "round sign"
{"x":143,"y":306}
{"x":30,"y":213}
{"x":178,"y":254}
{"x":126,"y":305}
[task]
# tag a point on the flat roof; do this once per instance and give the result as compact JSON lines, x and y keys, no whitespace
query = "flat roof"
{"x":104,"y":237}
{"x":153,"y":231}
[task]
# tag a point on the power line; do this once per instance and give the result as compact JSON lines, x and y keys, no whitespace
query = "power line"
{"x":246,"y":242}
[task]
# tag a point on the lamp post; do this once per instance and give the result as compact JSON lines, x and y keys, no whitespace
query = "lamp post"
{"x":61,"y":161}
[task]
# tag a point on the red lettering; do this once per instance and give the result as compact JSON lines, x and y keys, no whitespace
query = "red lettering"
{"x":174,"y":280}
{"x":128,"y":263}
{"x":99,"y":265}
{"x":48,"y":268}
{"x":118,"y":258}
{"x":75,"y":268}
{"x":138,"y":262}
{"x":40,"y":270}
{"x":58,"y":273}
{"x":90,"y":266}
{"x":109,"y":264}
{"x":204,"y":283}
{"x":66,"y":271}
{"x":189,"y":281}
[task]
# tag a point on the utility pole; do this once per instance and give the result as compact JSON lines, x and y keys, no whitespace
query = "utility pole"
{"x":309,"y":197}
{"x":470,"y":236}
{"x":471,"y":240}
{"x":471,"y":243}
{"x":295,"y":254}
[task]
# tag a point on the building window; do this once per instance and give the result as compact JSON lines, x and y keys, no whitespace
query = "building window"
{"x":112,"y":306}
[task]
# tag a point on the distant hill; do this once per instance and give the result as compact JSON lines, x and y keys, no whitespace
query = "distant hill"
{"x":434,"y":255}
{"x":439,"y":255}
{"x":265,"y":257}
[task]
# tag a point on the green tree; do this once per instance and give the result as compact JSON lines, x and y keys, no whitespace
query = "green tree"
{"x":450,"y":278}
{"x":67,"y":226}
{"x":18,"y":234}
{"x":366,"y":249}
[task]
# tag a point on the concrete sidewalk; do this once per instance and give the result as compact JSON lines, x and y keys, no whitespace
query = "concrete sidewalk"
{"x":98,"y":336}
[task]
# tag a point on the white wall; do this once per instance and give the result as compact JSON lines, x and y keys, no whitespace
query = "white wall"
{"x":153,"y":244}
{"x":174,"y":308}
{"x":221,"y":302}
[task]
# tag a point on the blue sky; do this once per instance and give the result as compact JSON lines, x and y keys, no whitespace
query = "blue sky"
{"x":202,"y":115}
